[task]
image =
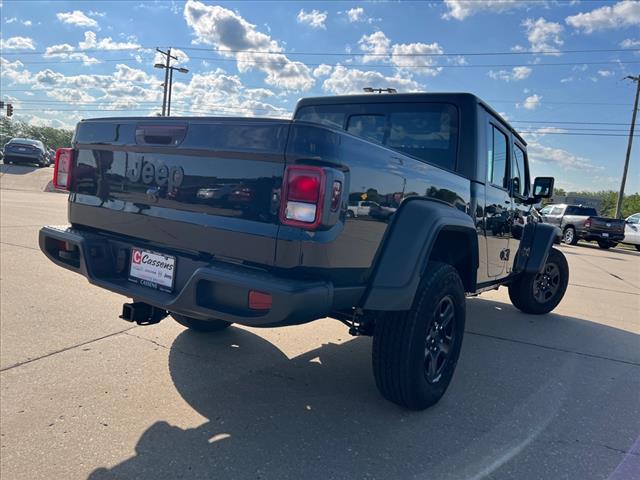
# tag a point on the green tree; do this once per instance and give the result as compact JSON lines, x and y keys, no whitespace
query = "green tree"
{"x":50,"y":136}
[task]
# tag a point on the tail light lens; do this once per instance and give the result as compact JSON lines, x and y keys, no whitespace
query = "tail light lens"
{"x":302,"y":196}
{"x":63,"y":168}
{"x":587,"y":223}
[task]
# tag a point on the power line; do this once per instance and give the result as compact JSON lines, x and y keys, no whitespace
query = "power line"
{"x":568,"y":123}
{"x":363,"y":65}
{"x":551,"y":102}
{"x":344,"y":54}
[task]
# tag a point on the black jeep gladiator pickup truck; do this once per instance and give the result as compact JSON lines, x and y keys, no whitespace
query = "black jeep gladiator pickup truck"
{"x":239,"y":220}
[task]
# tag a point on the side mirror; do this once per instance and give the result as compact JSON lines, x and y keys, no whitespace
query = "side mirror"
{"x":543,"y":187}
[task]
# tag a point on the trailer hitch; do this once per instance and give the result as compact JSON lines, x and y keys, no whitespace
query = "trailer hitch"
{"x":142,"y":313}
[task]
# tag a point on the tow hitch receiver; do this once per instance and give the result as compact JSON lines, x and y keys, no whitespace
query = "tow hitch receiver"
{"x":142,"y":313}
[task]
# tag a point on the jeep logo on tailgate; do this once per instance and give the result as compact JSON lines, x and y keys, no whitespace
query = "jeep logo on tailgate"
{"x":150,"y":172}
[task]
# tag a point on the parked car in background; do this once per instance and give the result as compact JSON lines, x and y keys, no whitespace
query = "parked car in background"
{"x":632,"y":231}
{"x":583,"y":223}
{"x":51,"y":153}
{"x":26,"y":150}
{"x":359,"y":209}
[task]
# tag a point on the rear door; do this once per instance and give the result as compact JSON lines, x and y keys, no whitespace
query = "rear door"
{"x":498,"y":200}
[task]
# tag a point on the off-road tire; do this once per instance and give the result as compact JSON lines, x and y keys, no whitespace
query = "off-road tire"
{"x":569,"y":236}
{"x":206,"y":326}
{"x":402,"y":340}
{"x":522,"y":291}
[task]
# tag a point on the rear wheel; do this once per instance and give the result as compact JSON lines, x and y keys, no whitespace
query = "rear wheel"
{"x":637,"y":247}
{"x":569,"y":237}
{"x":415,"y":352}
{"x":605,"y":245}
{"x":212,"y":325}
{"x":540,"y":293}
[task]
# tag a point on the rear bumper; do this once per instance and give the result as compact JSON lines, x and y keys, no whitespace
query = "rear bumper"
{"x":22,"y":157}
{"x":203,"y":290}
{"x":593,"y":236}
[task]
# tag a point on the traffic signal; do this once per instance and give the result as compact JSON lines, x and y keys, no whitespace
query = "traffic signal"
{"x":1,"y":105}
{"x":9,"y":110}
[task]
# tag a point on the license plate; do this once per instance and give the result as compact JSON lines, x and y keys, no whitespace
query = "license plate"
{"x":605,"y":235}
{"x":22,"y":149}
{"x":152,"y":269}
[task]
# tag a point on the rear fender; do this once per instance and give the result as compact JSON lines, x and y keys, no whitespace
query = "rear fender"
{"x":408,"y":247}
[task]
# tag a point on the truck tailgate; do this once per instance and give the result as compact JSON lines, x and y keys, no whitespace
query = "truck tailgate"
{"x":606,"y":225}
{"x":200,"y":185}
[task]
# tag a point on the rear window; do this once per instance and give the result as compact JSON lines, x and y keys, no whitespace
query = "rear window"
{"x":582,"y":211}
{"x":427,"y":131}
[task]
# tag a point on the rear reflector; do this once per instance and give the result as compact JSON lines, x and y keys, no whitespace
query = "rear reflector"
{"x":259,"y":300}
{"x":63,"y":168}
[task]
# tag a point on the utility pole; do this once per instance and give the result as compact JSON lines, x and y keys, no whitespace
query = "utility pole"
{"x":166,"y":67}
{"x":168,"y":80}
{"x":626,"y":160}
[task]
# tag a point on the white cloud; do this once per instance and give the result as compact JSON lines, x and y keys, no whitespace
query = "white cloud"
{"x":416,"y":57}
{"x":532,"y":102}
{"x":220,"y":93}
{"x":27,"y":23}
{"x":558,"y":157}
{"x":314,"y":18}
{"x":345,"y":80}
{"x":630,"y":43}
{"x":11,"y":20}
{"x":14,"y":71}
{"x":355,"y":14}
{"x":516,"y":74}
{"x":17,"y":43}
{"x":78,"y":18}
{"x":70,"y":95}
{"x":543,"y":36}
{"x":91,"y":42}
{"x":65,"y":51}
{"x":461,"y":9}
{"x":605,"y":73}
{"x":376,"y":45}
{"x":322,"y":70}
{"x":226,"y":30}
{"x":623,"y":14}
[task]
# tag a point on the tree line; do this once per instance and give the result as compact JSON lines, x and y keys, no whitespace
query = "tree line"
{"x":607,"y":199}
{"x":50,"y":136}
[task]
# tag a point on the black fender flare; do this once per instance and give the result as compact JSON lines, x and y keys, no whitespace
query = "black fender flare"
{"x":535,"y":245}
{"x":406,"y":248}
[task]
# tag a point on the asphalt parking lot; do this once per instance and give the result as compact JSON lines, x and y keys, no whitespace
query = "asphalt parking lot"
{"x":86,"y":395}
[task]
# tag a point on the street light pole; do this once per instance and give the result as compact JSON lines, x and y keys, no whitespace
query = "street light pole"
{"x":170,"y":89}
{"x":626,"y":160}
{"x":166,"y":67}
{"x":168,"y":80}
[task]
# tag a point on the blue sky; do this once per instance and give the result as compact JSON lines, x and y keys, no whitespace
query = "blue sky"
{"x":63,"y":61}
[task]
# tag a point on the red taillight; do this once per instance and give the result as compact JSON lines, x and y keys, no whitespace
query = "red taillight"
{"x":63,"y":168}
{"x":303,"y":186}
{"x":259,"y":300}
{"x":302,"y":196}
{"x":587,"y":223}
